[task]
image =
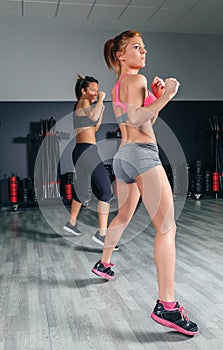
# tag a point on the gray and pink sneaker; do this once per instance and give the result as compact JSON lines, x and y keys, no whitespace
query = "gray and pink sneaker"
{"x":176,"y":318}
{"x":103,"y":271}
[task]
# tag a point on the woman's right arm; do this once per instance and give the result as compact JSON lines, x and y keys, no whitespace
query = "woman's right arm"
{"x":95,"y":112}
{"x":138,"y":115}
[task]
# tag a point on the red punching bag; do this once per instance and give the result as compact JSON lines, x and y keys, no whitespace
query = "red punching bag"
{"x":13,"y":189}
{"x":215,"y":182}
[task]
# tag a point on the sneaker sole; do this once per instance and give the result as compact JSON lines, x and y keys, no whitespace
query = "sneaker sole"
{"x":98,"y":241}
{"x":169,"y":324}
{"x":71,"y":231}
{"x":102,"y":274}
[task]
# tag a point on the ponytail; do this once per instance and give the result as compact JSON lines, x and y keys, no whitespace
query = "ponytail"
{"x":110,"y":56}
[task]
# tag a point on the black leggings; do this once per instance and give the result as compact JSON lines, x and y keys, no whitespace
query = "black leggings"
{"x":90,"y":170}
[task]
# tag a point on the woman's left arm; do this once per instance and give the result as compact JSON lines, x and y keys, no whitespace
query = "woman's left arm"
{"x":93,"y":112}
{"x":158,"y":87}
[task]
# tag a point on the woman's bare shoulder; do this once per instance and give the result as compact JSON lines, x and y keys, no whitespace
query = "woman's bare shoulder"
{"x":138,"y":79}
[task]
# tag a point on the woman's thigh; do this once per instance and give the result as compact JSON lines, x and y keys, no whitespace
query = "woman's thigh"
{"x":157,"y":197}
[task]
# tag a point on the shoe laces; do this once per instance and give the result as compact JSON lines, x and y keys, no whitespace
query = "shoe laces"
{"x":184,"y":313}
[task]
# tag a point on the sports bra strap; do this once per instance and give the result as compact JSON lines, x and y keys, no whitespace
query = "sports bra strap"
{"x":117,"y":102}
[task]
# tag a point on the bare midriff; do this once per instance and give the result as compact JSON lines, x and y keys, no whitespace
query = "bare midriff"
{"x":86,"y":135}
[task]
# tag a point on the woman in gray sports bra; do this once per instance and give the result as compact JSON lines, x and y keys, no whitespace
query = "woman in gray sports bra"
{"x":89,"y":168}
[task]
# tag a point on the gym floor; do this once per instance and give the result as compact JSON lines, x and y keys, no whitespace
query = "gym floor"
{"x":49,"y":298}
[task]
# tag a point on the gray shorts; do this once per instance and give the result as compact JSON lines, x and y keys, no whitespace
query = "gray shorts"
{"x":134,"y":159}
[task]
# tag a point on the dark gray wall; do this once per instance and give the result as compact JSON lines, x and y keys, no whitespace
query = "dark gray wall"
{"x":187,"y":119}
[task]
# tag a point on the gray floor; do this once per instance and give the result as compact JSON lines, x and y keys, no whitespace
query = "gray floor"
{"x":49,"y":299}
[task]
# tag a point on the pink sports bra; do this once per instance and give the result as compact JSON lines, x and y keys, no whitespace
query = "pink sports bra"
{"x":148,"y":100}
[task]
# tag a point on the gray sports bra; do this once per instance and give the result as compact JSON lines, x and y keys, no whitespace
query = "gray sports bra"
{"x":83,"y":121}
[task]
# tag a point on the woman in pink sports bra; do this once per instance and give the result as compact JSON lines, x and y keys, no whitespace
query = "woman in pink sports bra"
{"x":139,"y":171}
{"x":119,"y":106}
